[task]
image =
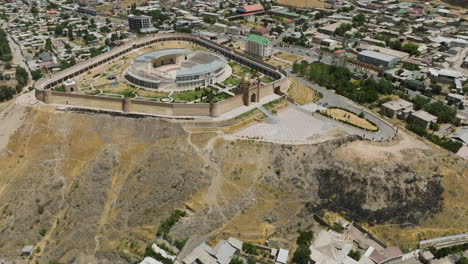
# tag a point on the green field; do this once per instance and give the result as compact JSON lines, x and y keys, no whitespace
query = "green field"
{"x":187,"y":96}
{"x":232,"y":81}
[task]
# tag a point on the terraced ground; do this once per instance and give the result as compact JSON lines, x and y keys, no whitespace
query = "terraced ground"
{"x":301,"y":93}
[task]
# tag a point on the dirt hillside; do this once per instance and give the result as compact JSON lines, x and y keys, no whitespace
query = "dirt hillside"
{"x":92,"y":188}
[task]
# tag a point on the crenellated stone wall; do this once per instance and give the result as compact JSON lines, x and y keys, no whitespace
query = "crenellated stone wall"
{"x":43,"y":87}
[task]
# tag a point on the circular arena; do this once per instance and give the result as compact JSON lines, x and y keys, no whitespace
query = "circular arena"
{"x":176,"y":69}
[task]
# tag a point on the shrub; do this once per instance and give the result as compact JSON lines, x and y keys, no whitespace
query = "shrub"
{"x":417,"y":129}
{"x":354,"y":254}
{"x":249,"y":248}
{"x":149,"y":252}
{"x":302,"y":255}
{"x":42,"y":231}
{"x":167,"y":224}
{"x":305,"y":237}
{"x":180,"y":244}
{"x":337,"y":228}
{"x":236,"y":260}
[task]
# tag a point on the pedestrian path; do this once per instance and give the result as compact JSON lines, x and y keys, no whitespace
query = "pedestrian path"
{"x":271,"y":118}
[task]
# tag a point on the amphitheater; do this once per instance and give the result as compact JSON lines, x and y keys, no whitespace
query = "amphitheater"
{"x":165,"y":70}
{"x":181,"y":69}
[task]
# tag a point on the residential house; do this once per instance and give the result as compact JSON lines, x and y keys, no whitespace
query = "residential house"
{"x":423,"y":118}
{"x":397,"y":108}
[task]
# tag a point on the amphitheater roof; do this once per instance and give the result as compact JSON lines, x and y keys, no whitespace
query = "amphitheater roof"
{"x":201,"y":68}
{"x":158,"y":53}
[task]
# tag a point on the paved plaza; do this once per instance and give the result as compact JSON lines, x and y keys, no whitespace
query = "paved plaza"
{"x":295,"y":127}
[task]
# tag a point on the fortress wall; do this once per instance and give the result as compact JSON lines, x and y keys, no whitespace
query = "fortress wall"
{"x":191,"y":109}
{"x":227,"y":105}
{"x":151,"y":107}
{"x":86,"y":100}
{"x":215,"y":109}
{"x":39,"y":94}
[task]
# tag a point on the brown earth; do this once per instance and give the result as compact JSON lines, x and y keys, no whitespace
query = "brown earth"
{"x":92,"y":188}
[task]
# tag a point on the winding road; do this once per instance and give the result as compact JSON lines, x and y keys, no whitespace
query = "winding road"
{"x":386,"y":130}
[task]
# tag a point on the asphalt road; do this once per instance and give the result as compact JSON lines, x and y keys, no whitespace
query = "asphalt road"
{"x":386,"y":131}
{"x":314,"y":56}
{"x":18,"y":57}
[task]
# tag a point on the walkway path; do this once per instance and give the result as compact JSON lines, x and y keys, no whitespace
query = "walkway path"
{"x":271,"y":118}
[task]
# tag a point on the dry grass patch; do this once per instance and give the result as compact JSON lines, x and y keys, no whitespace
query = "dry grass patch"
{"x":149,"y":93}
{"x":301,"y":93}
{"x":349,"y":117}
{"x":201,"y":139}
{"x":277,"y":63}
{"x":288,"y":56}
{"x":303,"y":3}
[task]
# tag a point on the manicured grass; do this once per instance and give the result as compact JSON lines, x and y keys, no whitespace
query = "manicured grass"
{"x":273,"y":103}
{"x":266,"y":79}
{"x":217,"y":98}
{"x":232,"y":81}
{"x":248,"y":114}
{"x":238,"y":69}
{"x":187,"y":96}
{"x":60,"y":88}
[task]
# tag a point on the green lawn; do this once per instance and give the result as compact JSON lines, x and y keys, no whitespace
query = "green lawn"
{"x":218,"y":97}
{"x":266,"y":79}
{"x":232,"y":81}
{"x":238,"y":69}
{"x":187,"y":96}
{"x":273,"y":103}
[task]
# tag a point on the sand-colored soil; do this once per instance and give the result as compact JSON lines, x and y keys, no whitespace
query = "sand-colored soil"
{"x":303,"y":3}
{"x":288,"y":56}
{"x":277,"y":63}
{"x":349,"y":117}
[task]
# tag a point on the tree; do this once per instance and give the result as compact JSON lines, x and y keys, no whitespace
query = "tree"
{"x":420,"y":102}
{"x":104,"y":29}
{"x":108,"y":21}
{"x":22,"y":77}
{"x":436,"y":89}
{"x":249,"y":248}
{"x":209,"y":20}
{"x":305,"y":238}
{"x":70,"y":33}
{"x":462,"y":260}
{"x":359,"y":20}
{"x":411,"y":48}
{"x":6,"y":93}
{"x":444,"y":112}
{"x":302,"y":255}
{"x":253,"y":260}
{"x":236,"y":260}
{"x":5,"y":50}
{"x":354,"y":254}
{"x":36,"y":75}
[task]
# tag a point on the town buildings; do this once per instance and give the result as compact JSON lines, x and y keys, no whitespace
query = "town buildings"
{"x":258,"y":45}
{"x":140,"y":23}
{"x":377,"y":58}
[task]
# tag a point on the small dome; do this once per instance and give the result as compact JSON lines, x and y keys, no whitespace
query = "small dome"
{"x":245,"y":79}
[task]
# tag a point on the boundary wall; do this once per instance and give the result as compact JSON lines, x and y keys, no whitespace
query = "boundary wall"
{"x":44,"y":93}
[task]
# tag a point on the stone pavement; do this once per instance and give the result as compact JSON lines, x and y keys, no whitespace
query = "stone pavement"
{"x":294,"y":127}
